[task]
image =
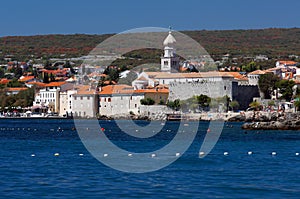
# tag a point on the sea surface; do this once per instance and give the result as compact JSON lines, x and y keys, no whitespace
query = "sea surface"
{"x":45,"y":158}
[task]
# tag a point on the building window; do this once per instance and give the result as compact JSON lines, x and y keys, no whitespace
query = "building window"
{"x":104,"y":99}
{"x":225,"y":88}
{"x":135,"y":105}
{"x":81,"y":98}
{"x":88,"y":97}
{"x":166,"y":63}
{"x":109,"y":100}
{"x":75,"y":98}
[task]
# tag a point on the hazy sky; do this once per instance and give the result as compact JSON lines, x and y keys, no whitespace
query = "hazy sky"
{"x":34,"y":17}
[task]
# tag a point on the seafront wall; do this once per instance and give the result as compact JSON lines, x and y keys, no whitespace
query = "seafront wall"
{"x":213,"y":89}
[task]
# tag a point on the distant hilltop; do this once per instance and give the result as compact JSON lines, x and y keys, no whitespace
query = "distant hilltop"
{"x":273,"y":42}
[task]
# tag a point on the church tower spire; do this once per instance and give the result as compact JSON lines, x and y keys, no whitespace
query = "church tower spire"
{"x":170,"y":61}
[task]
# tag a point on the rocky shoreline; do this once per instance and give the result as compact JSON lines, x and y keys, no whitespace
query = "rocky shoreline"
{"x":273,"y":121}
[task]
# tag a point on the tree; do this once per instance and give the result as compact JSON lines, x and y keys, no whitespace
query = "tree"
{"x":147,"y":101}
{"x":267,"y":84}
{"x":234,"y":105}
{"x":113,"y":73}
{"x":286,"y":89}
{"x":175,"y":105}
{"x":252,"y":66}
{"x":203,"y":101}
{"x":255,"y":105}
{"x":297,"y":104}
{"x":14,"y":83}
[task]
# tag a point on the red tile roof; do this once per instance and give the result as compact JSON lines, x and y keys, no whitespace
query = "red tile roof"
{"x":15,"y":89}
{"x":26,"y":78}
{"x":4,"y":81}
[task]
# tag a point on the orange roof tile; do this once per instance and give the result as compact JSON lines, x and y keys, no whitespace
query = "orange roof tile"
{"x":287,"y":62}
{"x":26,"y":78}
{"x":39,"y":84}
{"x":16,"y":89}
{"x":85,"y":90}
{"x":257,"y":72}
{"x":164,"y":90}
{"x":237,"y":75}
{"x":114,"y":89}
{"x":4,"y":81}
{"x":52,"y":84}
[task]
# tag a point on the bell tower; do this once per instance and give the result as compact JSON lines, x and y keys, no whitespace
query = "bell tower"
{"x":170,"y":61}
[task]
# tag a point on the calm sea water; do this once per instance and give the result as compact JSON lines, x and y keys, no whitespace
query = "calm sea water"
{"x":71,"y":175}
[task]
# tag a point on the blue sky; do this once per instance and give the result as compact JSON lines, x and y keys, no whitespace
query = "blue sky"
{"x":34,"y":17}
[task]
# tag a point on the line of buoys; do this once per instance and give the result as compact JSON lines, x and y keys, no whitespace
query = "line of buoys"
{"x":201,"y":153}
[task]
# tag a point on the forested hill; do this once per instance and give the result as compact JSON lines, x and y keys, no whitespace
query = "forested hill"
{"x":273,"y":42}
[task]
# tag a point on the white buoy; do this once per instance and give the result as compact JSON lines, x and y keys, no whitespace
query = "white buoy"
{"x":136,"y":130}
{"x":80,"y":154}
{"x":250,"y":152}
{"x":201,"y":153}
{"x":296,"y":154}
{"x":177,"y":154}
{"x":226,"y":153}
{"x":153,"y":155}
{"x":56,"y":154}
{"x":105,"y":155}
{"x":32,"y":155}
{"x":130,"y":155}
{"x":274,"y":153}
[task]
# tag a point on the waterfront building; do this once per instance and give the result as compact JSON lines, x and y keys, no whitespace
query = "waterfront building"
{"x":84,"y":102}
{"x":49,"y":96}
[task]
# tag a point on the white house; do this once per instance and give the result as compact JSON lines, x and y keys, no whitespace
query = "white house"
{"x":84,"y":102}
{"x":119,"y":100}
{"x":66,"y":102}
{"x":254,"y":76}
{"x":49,"y":96}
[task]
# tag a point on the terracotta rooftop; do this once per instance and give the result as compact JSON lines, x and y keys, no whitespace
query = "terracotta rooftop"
{"x":26,"y":78}
{"x":257,"y":72}
{"x":4,"y":81}
{"x":52,"y":84}
{"x":39,"y":84}
{"x":84,"y":90}
{"x":116,"y":89}
{"x":287,"y":62}
{"x":237,"y":76}
{"x":16,"y":89}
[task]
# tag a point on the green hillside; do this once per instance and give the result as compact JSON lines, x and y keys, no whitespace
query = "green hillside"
{"x":271,"y":42}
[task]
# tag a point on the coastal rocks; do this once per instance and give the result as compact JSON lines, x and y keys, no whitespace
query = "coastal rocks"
{"x":273,"y":125}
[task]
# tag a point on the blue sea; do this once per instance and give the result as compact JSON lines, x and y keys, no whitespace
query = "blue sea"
{"x":45,"y":158}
